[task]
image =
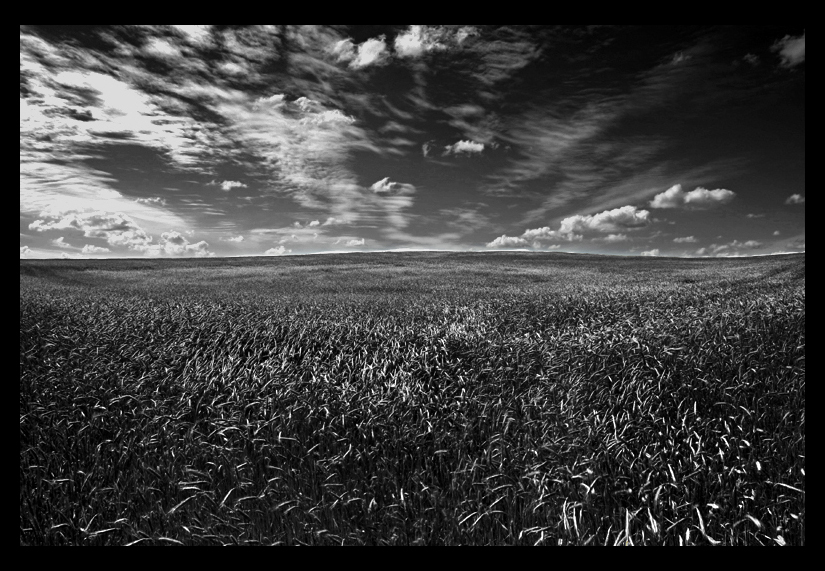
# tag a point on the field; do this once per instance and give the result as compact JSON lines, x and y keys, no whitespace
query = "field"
{"x":413,"y":398}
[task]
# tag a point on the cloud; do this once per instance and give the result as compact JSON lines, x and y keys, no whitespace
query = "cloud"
{"x":776,"y":232}
{"x":60,"y":243}
{"x":280,"y":250}
{"x":384,"y":186}
{"x":232,"y":239}
{"x":795,"y":199}
{"x":685,"y":240}
{"x":314,"y":223}
{"x":25,"y":251}
{"x":675,"y":197}
{"x":419,"y":40}
{"x":653,"y":252}
{"x":752,"y":244}
{"x":356,"y":242}
{"x":120,"y":230}
{"x":198,"y":35}
{"x":606,"y":221}
{"x":174,"y":243}
{"x":544,"y":233}
{"x":90,"y":249}
{"x":371,"y":52}
{"x":155,"y":200}
{"x":303,"y":147}
{"x":161,"y":49}
{"x":725,"y":249}
{"x":505,"y":241}
{"x":115,"y":227}
{"x":344,"y":50}
{"x":465,"y":147}
{"x":791,"y":50}
{"x":611,"y":238}
{"x":70,"y":109}
{"x":574,"y":228}
{"x":228,"y":185}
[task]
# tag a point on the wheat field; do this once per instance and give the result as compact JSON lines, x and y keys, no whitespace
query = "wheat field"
{"x":413,"y":399}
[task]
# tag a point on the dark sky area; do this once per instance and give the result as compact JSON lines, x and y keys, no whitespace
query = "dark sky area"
{"x":271,"y":140}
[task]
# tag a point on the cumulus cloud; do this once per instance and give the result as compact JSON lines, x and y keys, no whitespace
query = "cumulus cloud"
{"x":463,"y":147}
{"x":795,"y":199}
{"x":615,"y":238}
{"x":791,"y":50}
{"x":238,"y":238}
{"x":90,"y":249}
{"x":384,"y":186}
{"x":419,"y":40}
{"x":115,"y":227}
{"x":174,"y":243}
{"x":685,"y":240}
{"x":653,"y":252}
{"x":154,"y":200}
{"x":228,"y":185}
{"x":356,"y":242}
{"x":344,"y":50}
{"x":25,"y":251}
{"x":606,"y":221}
{"x":573,"y":228}
{"x":675,"y":197}
{"x":280,"y":250}
{"x":505,"y":241}
{"x":371,"y":52}
{"x":60,"y":243}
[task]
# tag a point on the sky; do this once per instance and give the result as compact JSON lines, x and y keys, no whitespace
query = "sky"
{"x":201,"y":141}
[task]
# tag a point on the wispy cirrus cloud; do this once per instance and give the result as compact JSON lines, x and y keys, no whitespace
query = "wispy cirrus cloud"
{"x":730,"y":249}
